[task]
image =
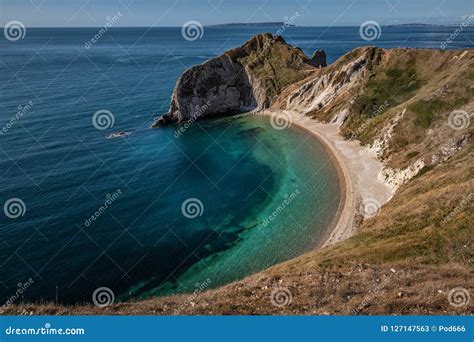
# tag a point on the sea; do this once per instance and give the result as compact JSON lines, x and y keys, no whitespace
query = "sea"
{"x":153,"y":212}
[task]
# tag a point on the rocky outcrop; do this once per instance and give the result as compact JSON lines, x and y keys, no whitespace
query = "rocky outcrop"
{"x":382,"y":142}
{"x":243,"y":79}
{"x":321,"y":90}
{"x":397,"y":177}
{"x":216,"y":87}
{"x":319,"y":58}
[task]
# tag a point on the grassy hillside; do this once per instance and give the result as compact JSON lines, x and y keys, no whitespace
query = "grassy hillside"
{"x":428,"y":84}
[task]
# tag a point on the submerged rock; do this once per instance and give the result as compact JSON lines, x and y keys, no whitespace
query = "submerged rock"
{"x":119,"y":134}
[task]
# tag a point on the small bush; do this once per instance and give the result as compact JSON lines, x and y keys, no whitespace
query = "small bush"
{"x":412,"y":154}
{"x":401,"y":141}
{"x":424,"y":170}
{"x":396,"y":86}
{"x":427,"y":111}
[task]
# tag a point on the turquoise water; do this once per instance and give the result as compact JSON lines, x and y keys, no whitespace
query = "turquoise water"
{"x":240,"y":169}
{"x":293,"y":181}
{"x":108,"y":212}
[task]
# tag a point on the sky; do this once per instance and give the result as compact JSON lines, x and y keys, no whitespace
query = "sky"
{"x":80,"y":13}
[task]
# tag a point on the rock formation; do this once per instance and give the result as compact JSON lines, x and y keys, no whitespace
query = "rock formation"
{"x":319,"y":58}
{"x":242,"y":79}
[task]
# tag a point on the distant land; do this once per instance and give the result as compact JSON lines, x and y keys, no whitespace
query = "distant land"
{"x":281,"y":23}
{"x":417,"y":25}
{"x":271,"y":23}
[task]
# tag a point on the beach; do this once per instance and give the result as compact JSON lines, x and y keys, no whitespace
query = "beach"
{"x":358,"y":171}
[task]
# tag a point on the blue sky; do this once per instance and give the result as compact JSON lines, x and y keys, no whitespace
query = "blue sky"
{"x":176,"y":12}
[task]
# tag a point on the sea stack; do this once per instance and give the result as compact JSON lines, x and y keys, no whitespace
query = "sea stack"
{"x":319,"y":58}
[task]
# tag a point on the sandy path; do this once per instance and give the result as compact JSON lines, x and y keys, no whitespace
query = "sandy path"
{"x":365,"y":192}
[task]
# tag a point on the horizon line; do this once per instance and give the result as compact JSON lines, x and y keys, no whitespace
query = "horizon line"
{"x":239,"y":24}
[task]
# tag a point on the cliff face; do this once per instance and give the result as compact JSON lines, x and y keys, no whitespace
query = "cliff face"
{"x":218,"y":86}
{"x":326,"y":86}
{"x":412,"y":107}
{"x":243,"y":79}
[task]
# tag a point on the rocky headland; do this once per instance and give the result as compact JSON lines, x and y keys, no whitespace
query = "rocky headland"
{"x":247,"y":78}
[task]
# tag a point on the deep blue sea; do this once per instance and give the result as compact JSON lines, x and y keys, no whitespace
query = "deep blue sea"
{"x":96,"y":212}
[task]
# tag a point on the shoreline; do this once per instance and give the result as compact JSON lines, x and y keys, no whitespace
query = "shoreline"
{"x":346,"y":155}
{"x":346,"y":210}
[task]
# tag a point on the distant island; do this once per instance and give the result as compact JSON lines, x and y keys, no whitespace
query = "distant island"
{"x":416,"y":25}
{"x":281,"y":23}
{"x":466,"y":24}
{"x":270,"y":23}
